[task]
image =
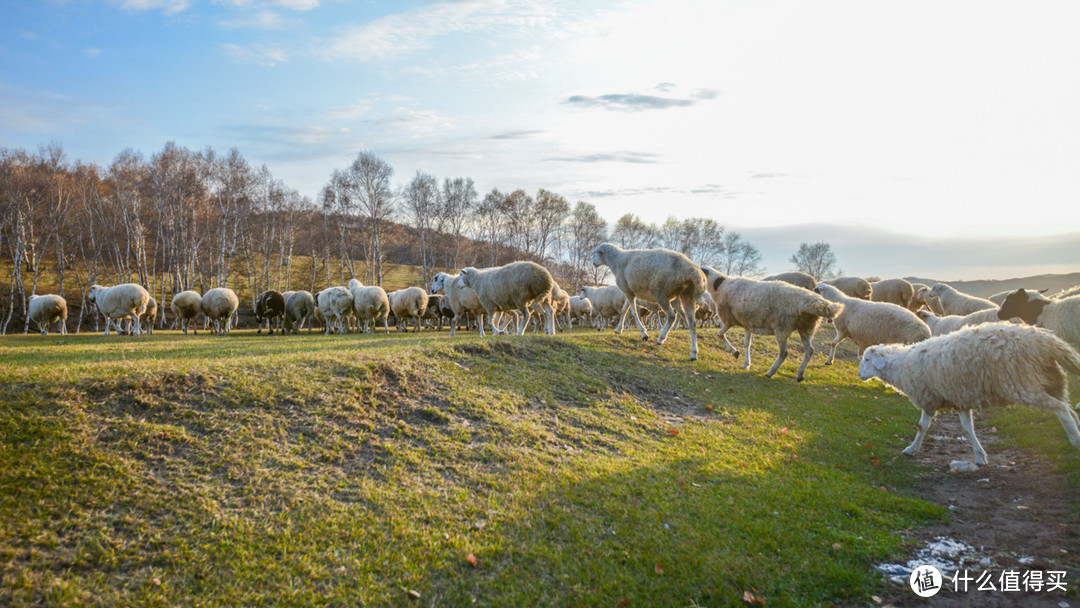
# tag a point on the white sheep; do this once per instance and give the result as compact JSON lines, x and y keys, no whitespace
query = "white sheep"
{"x":463,"y":300}
{"x":868,"y":323}
{"x":299,"y":309}
{"x":940,"y":326}
{"x":1059,"y":316}
{"x":370,"y":305}
{"x":922,"y":298}
{"x":976,"y":368}
{"x":894,"y":291}
{"x":336,"y":304}
{"x":799,"y":279}
{"x":581,"y":309}
{"x":185,"y":306}
{"x":657,"y":275}
{"x":954,"y":302}
{"x":219,"y":304}
{"x":769,"y":307}
{"x":608,"y":302}
{"x":1066,"y":293}
{"x":408,"y":303}
{"x":853,"y":287}
{"x":125,"y":301}
{"x":511,"y":287}
{"x":149,"y":316}
{"x":46,"y":310}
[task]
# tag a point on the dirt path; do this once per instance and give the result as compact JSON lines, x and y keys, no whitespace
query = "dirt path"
{"x":1014,"y":512}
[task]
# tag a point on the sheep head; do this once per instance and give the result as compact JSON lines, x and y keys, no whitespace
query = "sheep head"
{"x":1027,"y":305}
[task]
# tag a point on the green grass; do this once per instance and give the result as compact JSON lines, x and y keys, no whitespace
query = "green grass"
{"x":586,"y":470}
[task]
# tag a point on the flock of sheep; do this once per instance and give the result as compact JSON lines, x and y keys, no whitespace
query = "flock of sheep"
{"x":940,"y":347}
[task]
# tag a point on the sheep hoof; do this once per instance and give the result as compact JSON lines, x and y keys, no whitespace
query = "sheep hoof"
{"x":799,"y":379}
{"x":260,"y":331}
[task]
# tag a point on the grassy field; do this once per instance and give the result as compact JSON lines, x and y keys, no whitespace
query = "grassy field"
{"x":585,"y":470}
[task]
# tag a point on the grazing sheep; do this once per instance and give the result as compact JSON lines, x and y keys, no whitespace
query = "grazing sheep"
{"x":657,"y":275}
{"x":940,"y":326}
{"x":125,"y":301}
{"x":923,"y":297}
{"x":185,"y":306}
{"x":149,"y":316}
{"x":462,"y":300}
{"x":853,"y":287}
{"x":868,"y":323}
{"x":299,"y":309}
{"x":218,"y":305}
{"x":270,"y":307}
{"x":336,"y":304}
{"x":893,"y":291}
{"x":1059,"y":316}
{"x":769,"y":307}
{"x":370,"y":305}
{"x":406,"y":304}
{"x":46,"y":310}
{"x":608,"y":302}
{"x":581,"y":309}
{"x":799,"y":279}
{"x":511,"y":287}
{"x":954,"y":302}
{"x":977,"y":368}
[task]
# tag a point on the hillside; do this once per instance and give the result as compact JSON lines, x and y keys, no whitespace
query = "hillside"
{"x":583,"y":470}
{"x":1051,"y":282}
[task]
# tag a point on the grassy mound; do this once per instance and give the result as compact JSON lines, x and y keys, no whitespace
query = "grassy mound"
{"x":589,"y":469}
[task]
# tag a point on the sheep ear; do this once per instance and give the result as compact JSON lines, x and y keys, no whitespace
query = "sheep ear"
{"x":716,"y":283}
{"x":876,"y":360}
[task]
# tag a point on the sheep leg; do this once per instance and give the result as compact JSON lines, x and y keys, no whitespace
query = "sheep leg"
{"x":748,"y":337}
{"x":622,"y":316}
{"x":727,"y":343}
{"x":550,"y":319}
{"x":453,"y":325}
{"x":924,"y":423}
{"x":523,"y":321}
{"x":781,"y":341}
{"x":688,"y":312}
{"x":969,"y":428}
{"x":1065,"y":414}
{"x":808,"y":352}
{"x":632,"y":303}
{"x":832,"y":352}
{"x":671,"y":320}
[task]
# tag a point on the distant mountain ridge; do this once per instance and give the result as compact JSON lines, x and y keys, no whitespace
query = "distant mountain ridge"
{"x":1051,"y":282}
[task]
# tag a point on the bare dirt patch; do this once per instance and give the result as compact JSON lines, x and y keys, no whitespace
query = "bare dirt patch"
{"x":1015,"y":511}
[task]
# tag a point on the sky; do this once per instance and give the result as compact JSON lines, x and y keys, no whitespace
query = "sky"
{"x":934,"y":139}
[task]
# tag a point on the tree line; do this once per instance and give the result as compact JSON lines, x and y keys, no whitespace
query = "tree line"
{"x":184,"y":219}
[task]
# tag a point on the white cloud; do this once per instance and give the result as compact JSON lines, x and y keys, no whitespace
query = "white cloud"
{"x":404,"y":33}
{"x":259,"y":54}
{"x":262,"y":20}
{"x":92,"y":52}
{"x":169,"y":7}
{"x":293,"y":5}
{"x":415,"y":122}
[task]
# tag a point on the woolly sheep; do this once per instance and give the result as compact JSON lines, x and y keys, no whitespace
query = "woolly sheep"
{"x":954,"y":302}
{"x":923,"y":297}
{"x":854,"y":287}
{"x":893,"y":291}
{"x":658,"y":275}
{"x":336,"y":304}
{"x":799,"y":279}
{"x":1000,"y":296}
{"x":511,"y":287}
{"x":370,"y":305}
{"x":46,"y":310}
{"x":560,"y":302}
{"x":185,"y":306}
{"x":977,"y":368}
{"x":218,"y":305}
{"x":1059,"y":316}
{"x":1066,"y":293}
{"x":149,"y":316}
{"x":868,"y":323}
{"x":940,"y":326}
{"x":299,"y":308}
{"x":581,"y":309}
{"x":433,"y":310}
{"x":462,"y":300}
{"x":270,"y":307}
{"x":769,"y":307}
{"x":125,"y":301}
{"x":406,"y":304}
{"x":608,"y":302}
